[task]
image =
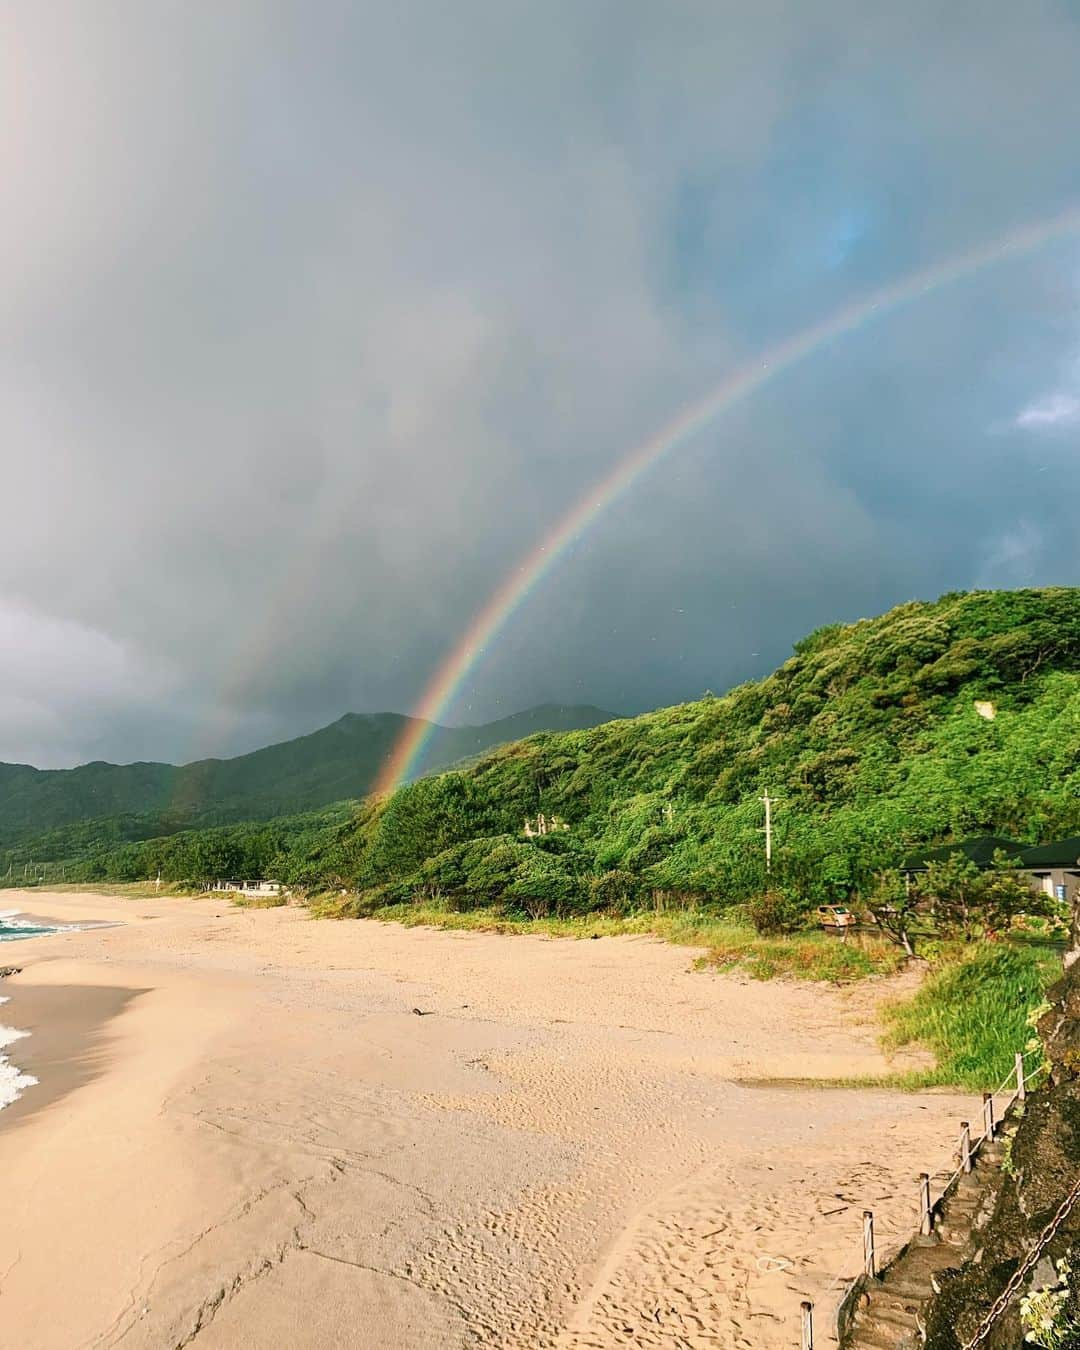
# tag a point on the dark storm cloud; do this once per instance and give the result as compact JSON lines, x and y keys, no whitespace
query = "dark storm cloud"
{"x":317,"y":317}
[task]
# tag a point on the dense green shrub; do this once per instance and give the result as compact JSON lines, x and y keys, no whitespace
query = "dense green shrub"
{"x":774,"y":912}
{"x":616,"y":891}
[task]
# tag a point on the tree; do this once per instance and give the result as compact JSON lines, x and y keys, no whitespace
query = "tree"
{"x":1008,"y":893}
{"x":955,"y":888}
{"x":892,"y":904}
{"x":970,"y":902}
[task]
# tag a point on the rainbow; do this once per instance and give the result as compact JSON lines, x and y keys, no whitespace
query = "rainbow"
{"x":739,"y":385}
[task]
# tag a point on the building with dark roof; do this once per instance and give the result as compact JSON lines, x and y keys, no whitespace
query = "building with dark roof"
{"x":1055,"y":868}
{"x":980,"y":851}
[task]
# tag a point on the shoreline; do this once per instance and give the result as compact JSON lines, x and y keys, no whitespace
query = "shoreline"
{"x":58,"y":1031}
{"x":14,"y":1078}
{"x":244,"y":1132}
{"x":64,"y":1039}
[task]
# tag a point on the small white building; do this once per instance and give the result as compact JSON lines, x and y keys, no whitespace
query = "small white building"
{"x":249,"y":887}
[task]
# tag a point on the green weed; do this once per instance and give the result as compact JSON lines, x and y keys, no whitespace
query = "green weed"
{"x":972,"y":1013}
{"x":731,"y":944}
{"x":801,"y":956}
{"x":258,"y":901}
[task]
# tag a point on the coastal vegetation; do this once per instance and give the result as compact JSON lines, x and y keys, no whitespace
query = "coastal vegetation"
{"x":974,"y":1012}
{"x":869,"y":737}
{"x":932,"y":723}
{"x":873,"y":737}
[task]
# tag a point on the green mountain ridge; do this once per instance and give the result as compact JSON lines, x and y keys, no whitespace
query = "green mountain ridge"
{"x":338,"y":761}
{"x":869,"y":737}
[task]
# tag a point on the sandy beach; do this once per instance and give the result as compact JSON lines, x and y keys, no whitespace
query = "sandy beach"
{"x":257,"y":1130}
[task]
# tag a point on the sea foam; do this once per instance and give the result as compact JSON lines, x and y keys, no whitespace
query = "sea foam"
{"x":12,"y":1079}
{"x":14,"y":927}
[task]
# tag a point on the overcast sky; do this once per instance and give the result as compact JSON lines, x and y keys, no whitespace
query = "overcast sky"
{"x":317,"y":316}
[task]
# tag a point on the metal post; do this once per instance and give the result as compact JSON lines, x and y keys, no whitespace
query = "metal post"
{"x":869,"y":1257}
{"x":926,"y":1213}
{"x":965,"y":1145}
{"x":807,"y":1341}
{"x":988,"y":1114}
{"x":768,"y":830}
{"x":1021,"y":1086}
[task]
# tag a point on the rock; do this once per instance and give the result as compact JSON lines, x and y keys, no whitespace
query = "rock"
{"x":1059,"y":1027}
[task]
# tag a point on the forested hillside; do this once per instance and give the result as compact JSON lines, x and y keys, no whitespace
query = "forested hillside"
{"x":869,"y":736}
{"x":137,"y":801}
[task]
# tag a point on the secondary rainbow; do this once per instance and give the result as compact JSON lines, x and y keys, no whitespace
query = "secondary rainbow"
{"x":740,"y":384}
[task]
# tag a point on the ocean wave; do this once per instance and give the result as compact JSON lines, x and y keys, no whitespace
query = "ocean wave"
{"x":9,"y":1035}
{"x":13,"y":1082}
{"x":15,"y":928}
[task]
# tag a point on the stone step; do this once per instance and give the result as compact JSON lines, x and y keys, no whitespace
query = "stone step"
{"x":912,"y":1288}
{"x":970,"y":1184}
{"x":884,"y":1333}
{"x":897,"y":1316}
{"x":956,"y":1216}
{"x":890,"y":1303}
{"x":873,"y":1339}
{"x":958,"y":1220}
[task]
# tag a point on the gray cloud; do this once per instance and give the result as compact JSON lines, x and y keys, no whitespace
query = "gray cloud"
{"x":1053,"y":411}
{"x":319,"y":316}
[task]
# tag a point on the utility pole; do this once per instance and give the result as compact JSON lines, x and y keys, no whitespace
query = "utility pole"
{"x":770,"y":802}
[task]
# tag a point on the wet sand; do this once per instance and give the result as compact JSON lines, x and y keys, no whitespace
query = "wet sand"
{"x":67,"y":1046}
{"x":245,"y":1136}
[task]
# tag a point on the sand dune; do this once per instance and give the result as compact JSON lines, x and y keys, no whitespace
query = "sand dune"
{"x":244,"y":1136}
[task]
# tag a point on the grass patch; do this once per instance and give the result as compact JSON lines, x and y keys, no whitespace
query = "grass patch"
{"x":117,"y":890}
{"x":687,"y":927}
{"x":802,"y":956}
{"x":242,"y":901}
{"x":806,"y":956}
{"x":973,"y":1013}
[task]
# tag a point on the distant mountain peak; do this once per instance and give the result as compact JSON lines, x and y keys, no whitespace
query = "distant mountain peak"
{"x":338,"y":761}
